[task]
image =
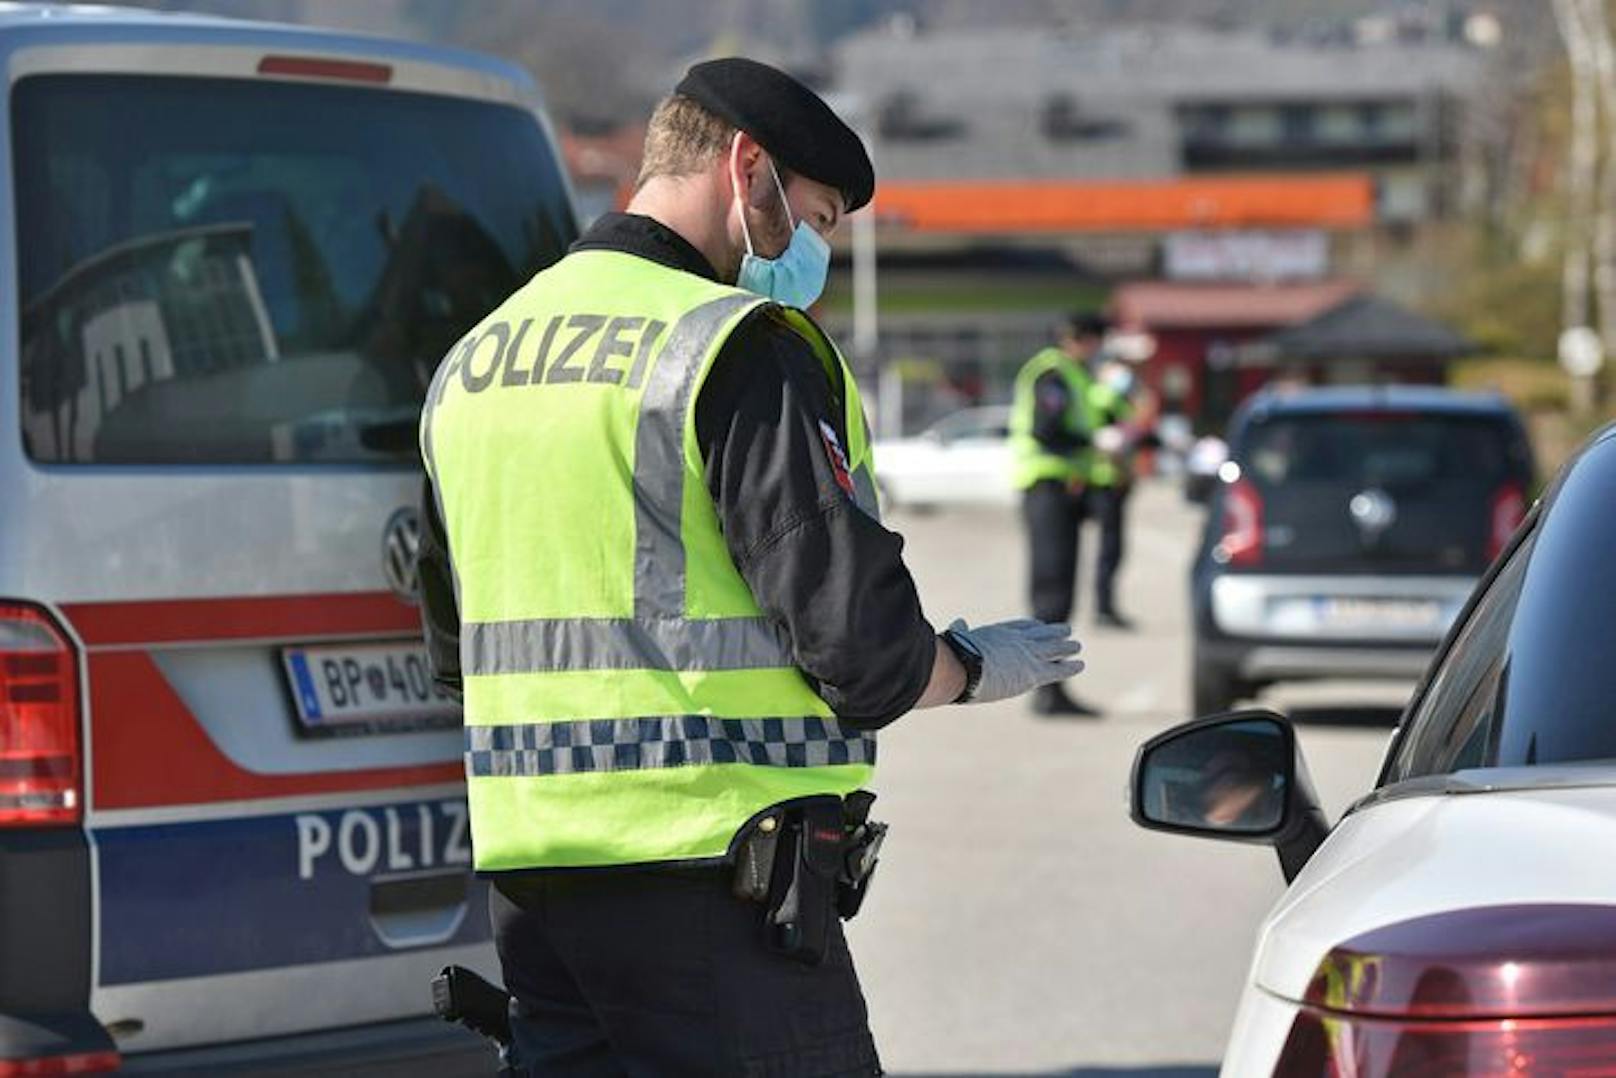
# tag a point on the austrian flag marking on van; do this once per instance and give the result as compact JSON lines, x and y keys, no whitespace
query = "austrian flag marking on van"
{"x":838,"y":458}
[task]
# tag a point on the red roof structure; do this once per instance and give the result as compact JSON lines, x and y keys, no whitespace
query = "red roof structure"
{"x":1175,"y":305}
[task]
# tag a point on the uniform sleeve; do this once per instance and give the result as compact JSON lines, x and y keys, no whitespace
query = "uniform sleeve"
{"x":822,"y":568}
{"x":1050,"y":399}
{"x":440,"y":614}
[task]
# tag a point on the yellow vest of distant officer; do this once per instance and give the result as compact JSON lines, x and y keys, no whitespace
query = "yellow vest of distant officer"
{"x":626,"y":700}
{"x":1031,"y":461}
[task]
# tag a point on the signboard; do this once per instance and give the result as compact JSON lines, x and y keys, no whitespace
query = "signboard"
{"x":1246,"y":256}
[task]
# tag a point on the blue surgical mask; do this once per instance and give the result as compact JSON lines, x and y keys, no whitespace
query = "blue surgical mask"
{"x":796,"y":276}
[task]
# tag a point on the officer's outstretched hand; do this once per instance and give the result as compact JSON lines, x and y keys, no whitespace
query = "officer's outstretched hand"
{"x":1020,"y":655}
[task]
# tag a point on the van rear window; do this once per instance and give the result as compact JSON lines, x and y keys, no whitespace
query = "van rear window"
{"x":219,"y":271}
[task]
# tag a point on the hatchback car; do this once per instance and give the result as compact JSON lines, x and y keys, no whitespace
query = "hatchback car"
{"x":232,"y":815}
{"x":962,"y":459}
{"x":1461,"y":918}
{"x":1349,"y":527}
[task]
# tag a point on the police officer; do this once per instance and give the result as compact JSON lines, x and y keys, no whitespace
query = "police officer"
{"x":1051,"y":425}
{"x":1110,"y":477}
{"x":652,"y":562}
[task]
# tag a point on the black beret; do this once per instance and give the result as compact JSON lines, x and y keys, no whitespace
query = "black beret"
{"x":1087,"y":324}
{"x":789,"y":120}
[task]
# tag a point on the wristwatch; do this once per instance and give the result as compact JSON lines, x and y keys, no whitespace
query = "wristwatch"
{"x":970,"y":657}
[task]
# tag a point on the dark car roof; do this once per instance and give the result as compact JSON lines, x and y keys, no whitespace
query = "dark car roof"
{"x":1428,"y":399}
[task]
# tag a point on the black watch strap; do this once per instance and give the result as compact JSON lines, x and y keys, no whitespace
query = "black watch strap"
{"x":969,"y":656}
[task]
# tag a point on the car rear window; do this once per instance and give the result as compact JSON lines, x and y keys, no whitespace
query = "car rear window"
{"x":220,"y":271}
{"x":1379,"y":449}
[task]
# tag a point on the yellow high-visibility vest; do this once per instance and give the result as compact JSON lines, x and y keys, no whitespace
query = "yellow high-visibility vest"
{"x":1031,"y":460}
{"x":626,"y":701}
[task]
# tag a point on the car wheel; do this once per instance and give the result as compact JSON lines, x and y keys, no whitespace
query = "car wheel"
{"x":1214,"y":689}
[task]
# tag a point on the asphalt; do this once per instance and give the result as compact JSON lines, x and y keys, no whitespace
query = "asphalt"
{"x":1020,"y":923}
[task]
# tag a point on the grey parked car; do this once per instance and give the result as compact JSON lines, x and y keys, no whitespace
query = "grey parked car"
{"x":1347,"y":531}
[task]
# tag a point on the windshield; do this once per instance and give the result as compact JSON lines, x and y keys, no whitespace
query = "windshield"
{"x":221,"y":271}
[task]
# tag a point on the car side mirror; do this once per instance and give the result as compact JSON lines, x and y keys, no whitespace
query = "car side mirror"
{"x":1237,"y":776}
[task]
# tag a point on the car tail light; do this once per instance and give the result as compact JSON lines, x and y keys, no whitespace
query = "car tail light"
{"x":39,"y":720}
{"x":1242,"y":525}
{"x":1506,"y":991}
{"x":1505,"y":514}
{"x":323,"y":67}
{"x":82,"y":1063}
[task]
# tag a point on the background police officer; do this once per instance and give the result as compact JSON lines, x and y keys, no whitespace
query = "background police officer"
{"x":1110,"y":476}
{"x":651,"y":559}
{"x":1052,"y":422}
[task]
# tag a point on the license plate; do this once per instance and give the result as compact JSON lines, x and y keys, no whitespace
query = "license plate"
{"x":1353,"y":613}
{"x":366,"y":688}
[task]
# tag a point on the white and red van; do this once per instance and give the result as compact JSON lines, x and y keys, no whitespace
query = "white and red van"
{"x":232,"y":818}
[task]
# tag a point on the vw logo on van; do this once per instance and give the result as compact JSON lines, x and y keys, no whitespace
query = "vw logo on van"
{"x":1373,"y":511}
{"x":401,"y":539}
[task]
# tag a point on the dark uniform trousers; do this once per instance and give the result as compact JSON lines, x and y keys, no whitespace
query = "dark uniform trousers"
{"x":1054,"y":516}
{"x":663,"y":972}
{"x":1107,"y":506}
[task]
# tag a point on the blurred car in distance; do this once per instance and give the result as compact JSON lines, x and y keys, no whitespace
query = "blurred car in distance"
{"x":962,"y":459}
{"x":1453,"y":921}
{"x":233,"y":828}
{"x":1348,"y":528}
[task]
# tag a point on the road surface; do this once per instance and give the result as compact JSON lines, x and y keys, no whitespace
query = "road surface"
{"x":1020,"y":924}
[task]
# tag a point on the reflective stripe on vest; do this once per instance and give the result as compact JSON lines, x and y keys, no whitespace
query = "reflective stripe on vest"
{"x":652,"y":729}
{"x":667,"y":643}
{"x":659,"y":461}
{"x":554,"y":748}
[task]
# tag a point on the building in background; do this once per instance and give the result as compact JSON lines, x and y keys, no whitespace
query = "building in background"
{"x":603,"y":165}
{"x":1026,"y":171}
{"x":1169,"y":101}
{"x":1216,"y":344}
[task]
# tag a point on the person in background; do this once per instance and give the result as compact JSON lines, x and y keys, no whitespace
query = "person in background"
{"x":1110,"y":475}
{"x":1051,"y":425}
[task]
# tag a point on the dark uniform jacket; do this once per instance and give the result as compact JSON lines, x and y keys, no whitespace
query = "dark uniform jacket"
{"x":823,"y":569}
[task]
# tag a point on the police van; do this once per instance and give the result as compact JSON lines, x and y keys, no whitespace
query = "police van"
{"x":232,"y":817}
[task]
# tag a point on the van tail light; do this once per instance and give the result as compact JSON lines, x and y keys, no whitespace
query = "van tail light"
{"x":1242,"y":525}
{"x":81,"y":1063}
{"x":324,"y":67}
{"x":40,"y":768}
{"x":1502,"y":992}
{"x":1505,"y":514}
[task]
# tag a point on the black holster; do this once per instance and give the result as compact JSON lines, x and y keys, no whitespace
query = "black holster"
{"x":808,"y":862}
{"x":459,"y":995}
